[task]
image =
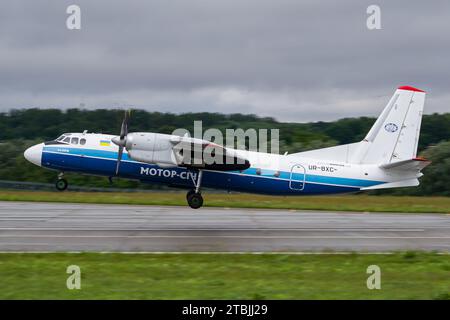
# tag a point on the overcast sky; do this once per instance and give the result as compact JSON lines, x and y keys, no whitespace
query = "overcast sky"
{"x":291,"y":60}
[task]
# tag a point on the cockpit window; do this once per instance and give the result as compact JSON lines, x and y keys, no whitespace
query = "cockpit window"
{"x":74,"y":141}
{"x":82,"y":141}
{"x":67,"y":140}
{"x":60,"y":138}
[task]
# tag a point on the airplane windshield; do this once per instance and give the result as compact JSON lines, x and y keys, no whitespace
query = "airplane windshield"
{"x":61,"y":138}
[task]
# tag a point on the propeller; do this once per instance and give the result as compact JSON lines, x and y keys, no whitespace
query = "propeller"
{"x":121,"y":141}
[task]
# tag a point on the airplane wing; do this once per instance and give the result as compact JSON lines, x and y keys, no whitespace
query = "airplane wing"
{"x":202,"y":154}
{"x":171,"y":150}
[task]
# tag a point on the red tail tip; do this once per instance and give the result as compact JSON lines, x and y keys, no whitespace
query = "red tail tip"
{"x":409,"y":88}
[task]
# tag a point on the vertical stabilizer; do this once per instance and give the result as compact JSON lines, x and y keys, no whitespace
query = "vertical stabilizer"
{"x":395,"y":134}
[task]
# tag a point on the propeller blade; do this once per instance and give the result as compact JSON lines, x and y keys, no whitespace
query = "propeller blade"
{"x":124,"y":127}
{"x":119,"y":158}
{"x":122,"y":141}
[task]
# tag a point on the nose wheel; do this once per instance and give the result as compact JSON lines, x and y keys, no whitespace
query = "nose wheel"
{"x":194,"y":197}
{"x":61,"y":184}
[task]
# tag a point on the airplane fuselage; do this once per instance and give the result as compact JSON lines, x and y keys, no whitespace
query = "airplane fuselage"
{"x":269,"y":173}
{"x":385,"y":158}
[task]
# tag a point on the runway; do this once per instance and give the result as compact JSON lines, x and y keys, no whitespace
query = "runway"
{"x":28,"y":226}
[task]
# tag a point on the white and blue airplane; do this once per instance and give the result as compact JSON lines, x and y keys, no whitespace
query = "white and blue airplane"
{"x":385,"y":158}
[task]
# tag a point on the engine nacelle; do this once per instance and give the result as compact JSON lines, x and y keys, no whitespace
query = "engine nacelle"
{"x":170,"y":151}
{"x":151,"y":147}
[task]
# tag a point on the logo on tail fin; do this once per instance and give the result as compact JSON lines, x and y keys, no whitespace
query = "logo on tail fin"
{"x":391,"y":127}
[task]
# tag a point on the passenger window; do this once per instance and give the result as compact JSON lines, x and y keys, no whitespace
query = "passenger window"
{"x":258,"y":172}
{"x":82,"y":141}
{"x":67,"y":140}
{"x":74,"y":141}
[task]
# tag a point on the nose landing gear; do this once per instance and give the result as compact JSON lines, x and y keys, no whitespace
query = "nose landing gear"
{"x":194,"y":197}
{"x":61,"y":184}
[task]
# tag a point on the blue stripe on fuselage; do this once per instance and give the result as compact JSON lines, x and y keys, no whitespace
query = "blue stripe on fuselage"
{"x":98,"y":162}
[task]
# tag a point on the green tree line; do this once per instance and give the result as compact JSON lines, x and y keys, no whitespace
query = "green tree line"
{"x":22,"y":128}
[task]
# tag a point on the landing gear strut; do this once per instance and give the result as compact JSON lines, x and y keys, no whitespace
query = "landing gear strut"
{"x":61,"y":184}
{"x":194,"y":197}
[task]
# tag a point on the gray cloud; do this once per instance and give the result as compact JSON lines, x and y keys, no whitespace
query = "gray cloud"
{"x":293,"y":60}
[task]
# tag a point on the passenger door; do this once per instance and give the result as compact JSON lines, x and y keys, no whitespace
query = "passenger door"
{"x":297,"y":177}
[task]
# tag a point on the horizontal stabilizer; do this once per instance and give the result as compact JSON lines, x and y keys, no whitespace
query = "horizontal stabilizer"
{"x":396,"y":184}
{"x":412,"y":164}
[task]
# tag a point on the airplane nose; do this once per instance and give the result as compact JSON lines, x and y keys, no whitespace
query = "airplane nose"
{"x":34,"y":154}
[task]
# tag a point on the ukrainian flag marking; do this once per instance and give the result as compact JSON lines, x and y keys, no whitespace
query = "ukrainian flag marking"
{"x":104,"y":143}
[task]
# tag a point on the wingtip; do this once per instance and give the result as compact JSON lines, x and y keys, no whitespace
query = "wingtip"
{"x":409,"y":88}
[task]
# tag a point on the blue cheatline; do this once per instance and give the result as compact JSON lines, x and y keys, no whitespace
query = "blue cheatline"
{"x":99,"y":162}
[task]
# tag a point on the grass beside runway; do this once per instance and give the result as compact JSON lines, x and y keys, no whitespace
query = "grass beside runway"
{"x":410,"y":275}
{"x":332,"y":203}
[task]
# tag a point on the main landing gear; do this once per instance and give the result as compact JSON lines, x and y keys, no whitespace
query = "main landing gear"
{"x":194,"y":197}
{"x":61,"y":184}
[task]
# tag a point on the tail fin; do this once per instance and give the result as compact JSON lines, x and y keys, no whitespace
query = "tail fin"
{"x":395,"y":134}
{"x":393,"y":137}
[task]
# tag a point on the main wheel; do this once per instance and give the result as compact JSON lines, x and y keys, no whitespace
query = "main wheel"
{"x":61,"y":184}
{"x":189,"y":193}
{"x":195,"y":200}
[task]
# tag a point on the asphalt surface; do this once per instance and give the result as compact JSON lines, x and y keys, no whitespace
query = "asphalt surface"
{"x":28,"y":226}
